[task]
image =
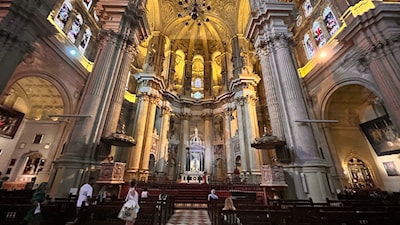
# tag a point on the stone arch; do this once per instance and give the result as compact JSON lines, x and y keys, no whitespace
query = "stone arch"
{"x":351,"y":103}
{"x":43,"y":82}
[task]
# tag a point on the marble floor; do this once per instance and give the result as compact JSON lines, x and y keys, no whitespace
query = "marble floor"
{"x":190,"y":216}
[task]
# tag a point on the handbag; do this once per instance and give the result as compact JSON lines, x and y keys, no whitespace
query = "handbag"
{"x":37,"y":209}
{"x":128,"y":211}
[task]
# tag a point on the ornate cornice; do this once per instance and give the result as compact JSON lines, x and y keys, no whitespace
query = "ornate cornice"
{"x":263,"y":14}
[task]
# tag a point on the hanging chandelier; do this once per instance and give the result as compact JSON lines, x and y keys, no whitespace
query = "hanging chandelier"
{"x":194,"y":9}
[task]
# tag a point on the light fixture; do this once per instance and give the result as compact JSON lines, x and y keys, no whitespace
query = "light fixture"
{"x":195,"y":10}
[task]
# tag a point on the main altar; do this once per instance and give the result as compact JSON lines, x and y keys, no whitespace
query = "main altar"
{"x":194,"y":165}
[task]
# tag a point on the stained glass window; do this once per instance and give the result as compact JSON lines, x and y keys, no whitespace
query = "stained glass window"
{"x":63,"y":15}
{"x":75,"y":28}
{"x":307,"y":8}
{"x":330,"y":21}
{"x":85,"y":40}
{"x":318,"y":34}
{"x":308,"y":46}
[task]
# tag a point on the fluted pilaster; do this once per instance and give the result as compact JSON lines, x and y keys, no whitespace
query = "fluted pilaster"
{"x":301,"y":135}
{"x":185,"y":117}
{"x":166,"y":115}
{"x":86,"y":131}
{"x":227,"y":135}
{"x":264,"y":52}
{"x":209,"y":159}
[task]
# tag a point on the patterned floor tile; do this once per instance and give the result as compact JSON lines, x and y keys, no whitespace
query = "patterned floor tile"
{"x":187,"y":216}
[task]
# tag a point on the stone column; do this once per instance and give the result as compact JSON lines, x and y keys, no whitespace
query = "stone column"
{"x":268,"y":27}
{"x":227,"y":139}
{"x":114,"y":111}
{"x":139,"y":134}
{"x":208,"y":137}
{"x":242,"y":120}
{"x":97,"y":99}
{"x":252,"y":133}
{"x":248,"y":131}
{"x":163,"y":157}
{"x":293,"y":104}
{"x":184,"y":139}
{"x":78,"y":156}
{"x":264,"y":54}
{"x":144,"y":169}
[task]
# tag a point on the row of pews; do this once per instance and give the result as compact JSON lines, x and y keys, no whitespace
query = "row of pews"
{"x":306,"y":212}
{"x":62,"y":211}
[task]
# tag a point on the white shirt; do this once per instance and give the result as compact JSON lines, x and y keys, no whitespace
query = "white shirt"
{"x":145,"y":194}
{"x":130,"y":195}
{"x":85,"y":192}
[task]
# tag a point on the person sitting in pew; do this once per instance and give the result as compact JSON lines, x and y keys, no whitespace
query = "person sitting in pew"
{"x":229,"y":217}
{"x":212,"y":195}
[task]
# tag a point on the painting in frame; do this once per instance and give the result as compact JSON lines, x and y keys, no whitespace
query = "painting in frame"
{"x":9,"y":121}
{"x":382,"y":135}
{"x":391,"y":168}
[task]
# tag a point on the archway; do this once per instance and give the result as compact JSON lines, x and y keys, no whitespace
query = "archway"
{"x":352,"y":105}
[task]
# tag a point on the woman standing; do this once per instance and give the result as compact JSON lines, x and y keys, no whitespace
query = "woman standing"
{"x":133,"y":197}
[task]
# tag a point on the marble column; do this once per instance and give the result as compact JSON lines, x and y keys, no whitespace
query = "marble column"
{"x":144,"y":168}
{"x":78,"y":156}
{"x":117,"y":98}
{"x":293,"y":104}
{"x":227,"y":138}
{"x":208,"y":137}
{"x":163,"y":157}
{"x":268,"y":28}
{"x":242,"y":120}
{"x":252,"y":133}
{"x":114,"y":111}
{"x":267,"y":67}
{"x":87,"y":131}
{"x":135,"y":155}
{"x":185,"y":129}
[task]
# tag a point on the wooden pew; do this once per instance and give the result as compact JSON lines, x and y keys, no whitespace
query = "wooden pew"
{"x":11,"y":214}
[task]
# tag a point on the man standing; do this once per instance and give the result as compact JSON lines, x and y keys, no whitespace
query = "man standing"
{"x":85,"y":194}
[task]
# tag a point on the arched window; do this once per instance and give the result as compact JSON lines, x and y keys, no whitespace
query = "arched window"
{"x":85,"y":40}
{"x":197,"y":77}
{"x":198,"y":83}
{"x":330,"y":21}
{"x":318,"y":35}
{"x":307,"y":8}
{"x":75,"y":28}
{"x":308,"y":46}
{"x":63,"y":15}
